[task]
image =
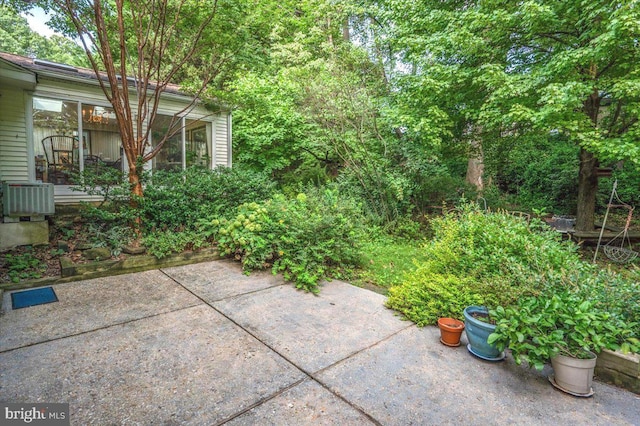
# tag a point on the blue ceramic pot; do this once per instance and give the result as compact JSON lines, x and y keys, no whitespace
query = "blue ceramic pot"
{"x":478,"y":333}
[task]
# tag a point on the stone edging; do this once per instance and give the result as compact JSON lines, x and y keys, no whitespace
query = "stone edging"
{"x":622,"y":370}
{"x":76,"y":272}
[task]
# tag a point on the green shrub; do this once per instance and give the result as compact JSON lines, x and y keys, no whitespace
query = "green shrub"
{"x":613,"y":292}
{"x":110,"y":184}
{"x":432,"y":295}
{"x":497,"y":244}
{"x":385,"y":193}
{"x":491,"y":258}
{"x":163,"y":243}
{"x":113,"y":236}
{"x":536,"y":172}
{"x":628,"y":178}
{"x":538,"y":328}
{"x":306,"y":238}
{"x":177,"y":200}
{"x":24,"y":266}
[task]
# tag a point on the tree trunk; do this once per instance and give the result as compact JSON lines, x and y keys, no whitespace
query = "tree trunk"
{"x":587,"y":190}
{"x":136,"y":189}
{"x":475,"y":165}
{"x":345,"y":30}
{"x":587,"y":174}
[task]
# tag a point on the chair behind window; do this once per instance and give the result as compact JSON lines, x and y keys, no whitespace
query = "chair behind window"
{"x":60,"y":151}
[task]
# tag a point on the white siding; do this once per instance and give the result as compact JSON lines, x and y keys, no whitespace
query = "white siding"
{"x":221,"y":146}
{"x":17,"y":143}
{"x":13,"y":136}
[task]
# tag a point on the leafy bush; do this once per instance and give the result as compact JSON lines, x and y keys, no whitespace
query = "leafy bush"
{"x":112,"y":236}
{"x":538,"y":172}
{"x":432,"y":295}
{"x":613,"y":292}
{"x":177,"y":200}
{"x":173,"y":203}
{"x":491,"y":259}
{"x":23,"y":266}
{"x":307,"y":237}
{"x":163,"y":243}
{"x":386,"y":193}
{"x":538,"y":328}
{"x":110,"y":184}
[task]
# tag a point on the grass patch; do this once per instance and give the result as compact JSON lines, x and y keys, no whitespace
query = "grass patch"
{"x":386,"y":261}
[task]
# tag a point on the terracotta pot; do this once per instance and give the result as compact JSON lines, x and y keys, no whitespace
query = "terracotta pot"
{"x":450,"y":331}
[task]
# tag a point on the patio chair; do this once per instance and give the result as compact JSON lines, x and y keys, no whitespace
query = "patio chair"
{"x":60,"y":151}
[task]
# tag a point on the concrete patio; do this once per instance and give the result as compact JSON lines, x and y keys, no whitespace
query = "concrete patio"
{"x":205,"y":344}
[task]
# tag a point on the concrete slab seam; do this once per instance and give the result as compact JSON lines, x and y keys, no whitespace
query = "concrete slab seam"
{"x":223,"y":298}
{"x":99,"y":328}
{"x":240,"y":325}
{"x":351,"y":355}
{"x":315,"y":375}
{"x":263,"y":400}
{"x":307,"y":374}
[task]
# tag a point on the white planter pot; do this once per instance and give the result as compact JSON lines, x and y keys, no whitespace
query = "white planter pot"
{"x":573,"y":375}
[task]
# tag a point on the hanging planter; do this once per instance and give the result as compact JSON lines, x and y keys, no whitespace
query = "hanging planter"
{"x":450,"y":331}
{"x":478,"y":332}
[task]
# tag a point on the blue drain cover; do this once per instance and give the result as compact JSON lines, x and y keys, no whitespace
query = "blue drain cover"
{"x":37,"y":296}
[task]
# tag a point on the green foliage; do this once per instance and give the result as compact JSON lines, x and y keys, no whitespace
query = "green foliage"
{"x":18,"y":38}
{"x":163,"y":243}
{"x":537,"y":172}
{"x":427,"y":295}
{"x":538,"y":328}
{"x":270,"y":132}
{"x":386,"y":192}
{"x":113,"y":236}
{"x":617,"y":293}
{"x":306,"y":238}
{"x":177,"y":200}
{"x":497,"y":244}
{"x":386,"y":260}
{"x":628,"y":176}
{"x":490,"y":258}
{"x":173,"y":203}
{"x":111,"y":186}
{"x":23,"y":266}
{"x":407,"y":229}
{"x":545,"y":67}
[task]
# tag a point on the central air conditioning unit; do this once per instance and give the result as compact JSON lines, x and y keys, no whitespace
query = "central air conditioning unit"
{"x":32,"y":200}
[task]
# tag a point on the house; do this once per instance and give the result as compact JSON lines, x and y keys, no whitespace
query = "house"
{"x":46,"y":109}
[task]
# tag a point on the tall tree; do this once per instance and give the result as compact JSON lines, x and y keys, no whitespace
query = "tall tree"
{"x":317,"y":107}
{"x":540,"y":65}
{"x":150,"y":41}
{"x":18,"y":38}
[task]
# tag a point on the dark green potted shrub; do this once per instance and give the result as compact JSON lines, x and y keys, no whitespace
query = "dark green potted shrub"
{"x":562,"y":328}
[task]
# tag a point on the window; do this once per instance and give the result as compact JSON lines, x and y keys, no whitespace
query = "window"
{"x":170,"y":155}
{"x":197,"y":145}
{"x":101,"y":139}
{"x":55,"y":135}
{"x":57,"y":141}
{"x":70,"y":136}
{"x":194,"y":150}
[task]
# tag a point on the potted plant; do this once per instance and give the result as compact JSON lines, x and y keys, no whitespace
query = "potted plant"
{"x":478,"y":328}
{"x":450,"y":331}
{"x":561,"y":328}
